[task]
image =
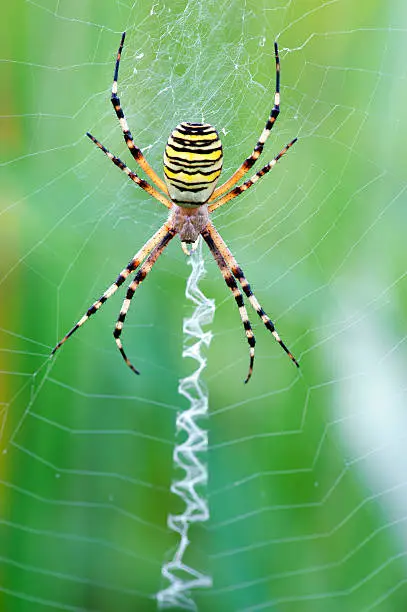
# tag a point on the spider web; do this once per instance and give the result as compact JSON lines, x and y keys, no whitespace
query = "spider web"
{"x":307,"y":486}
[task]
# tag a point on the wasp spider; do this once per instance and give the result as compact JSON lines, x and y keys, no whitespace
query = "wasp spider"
{"x":192,"y":165}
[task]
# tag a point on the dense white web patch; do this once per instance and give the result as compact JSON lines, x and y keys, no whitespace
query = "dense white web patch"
{"x":307,"y":487}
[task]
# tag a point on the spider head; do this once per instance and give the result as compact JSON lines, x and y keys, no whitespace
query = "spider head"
{"x":192,"y":163}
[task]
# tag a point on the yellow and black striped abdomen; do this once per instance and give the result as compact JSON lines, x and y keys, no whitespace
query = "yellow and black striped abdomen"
{"x":192,"y":163}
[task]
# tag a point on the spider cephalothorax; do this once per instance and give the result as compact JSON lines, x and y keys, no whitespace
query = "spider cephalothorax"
{"x":192,"y":165}
{"x":189,"y":221}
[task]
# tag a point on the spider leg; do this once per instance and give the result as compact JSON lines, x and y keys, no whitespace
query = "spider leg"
{"x":138,"y":279}
{"x":134,"y":150}
{"x":238,"y":273}
{"x":258,"y":149}
{"x":233,"y":193}
{"x":132,"y":175}
{"x":133,"y":265}
{"x":231,"y":283}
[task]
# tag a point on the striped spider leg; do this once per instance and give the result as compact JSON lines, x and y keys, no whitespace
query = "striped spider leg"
{"x":134,"y":263}
{"x":134,"y":150}
{"x":251,"y":181}
{"x":219,"y":248}
{"x":193,"y":158}
{"x":258,"y":149}
{"x":132,"y":175}
{"x":138,"y":279}
{"x":231,"y":283}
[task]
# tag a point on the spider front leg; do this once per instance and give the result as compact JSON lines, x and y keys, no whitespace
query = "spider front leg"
{"x":231,"y":283}
{"x":134,"y":150}
{"x":238,"y":273}
{"x":258,"y":149}
{"x":138,"y":279}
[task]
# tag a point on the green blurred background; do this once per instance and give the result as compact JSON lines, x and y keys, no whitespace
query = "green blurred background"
{"x":307,"y":471}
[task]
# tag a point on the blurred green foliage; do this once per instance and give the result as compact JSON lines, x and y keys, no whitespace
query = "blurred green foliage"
{"x":306,"y":471}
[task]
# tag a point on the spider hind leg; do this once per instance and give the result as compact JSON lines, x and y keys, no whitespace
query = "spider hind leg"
{"x":231,"y":283}
{"x":138,"y":279}
{"x":117,"y":332}
{"x":131,"y":267}
{"x":239,"y":275}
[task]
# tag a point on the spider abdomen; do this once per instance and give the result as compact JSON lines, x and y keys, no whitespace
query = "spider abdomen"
{"x":192,"y":163}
